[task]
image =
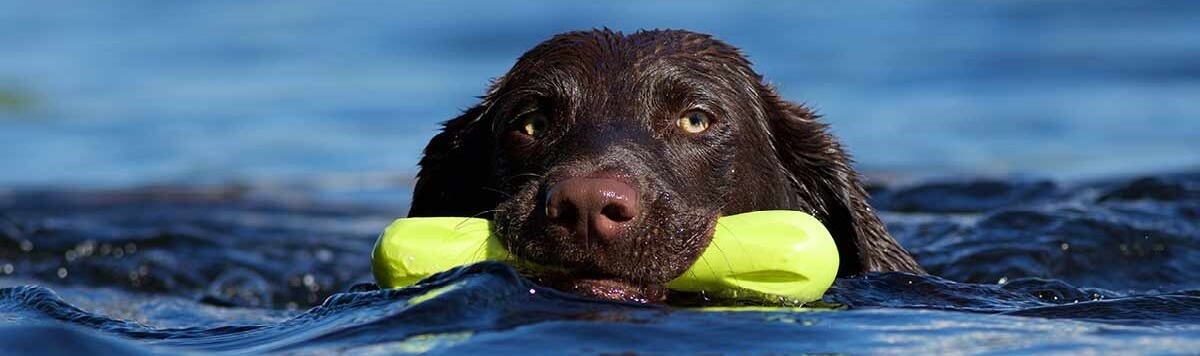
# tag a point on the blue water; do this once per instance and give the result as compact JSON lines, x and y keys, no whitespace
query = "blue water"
{"x":146,"y":92}
{"x":210,"y":176}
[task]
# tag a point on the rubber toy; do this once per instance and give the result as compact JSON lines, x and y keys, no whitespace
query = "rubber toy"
{"x":769,"y":256}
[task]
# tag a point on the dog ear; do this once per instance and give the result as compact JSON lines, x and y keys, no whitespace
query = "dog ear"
{"x":821,"y":172}
{"x":456,"y":169}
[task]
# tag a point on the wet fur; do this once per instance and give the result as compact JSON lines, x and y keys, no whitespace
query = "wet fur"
{"x":612,"y":100}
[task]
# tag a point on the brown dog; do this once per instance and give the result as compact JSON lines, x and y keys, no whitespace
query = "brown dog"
{"x":612,"y":156}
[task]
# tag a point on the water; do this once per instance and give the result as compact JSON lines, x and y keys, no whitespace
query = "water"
{"x":211,"y":176}
{"x":144,"y":92}
{"x":1106,"y":266}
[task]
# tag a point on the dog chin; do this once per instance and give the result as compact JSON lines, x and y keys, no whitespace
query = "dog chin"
{"x":609,"y":289}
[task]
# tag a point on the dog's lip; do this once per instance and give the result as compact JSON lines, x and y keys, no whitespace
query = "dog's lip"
{"x":587,"y":279}
{"x":598,"y":286}
{"x":610,"y":289}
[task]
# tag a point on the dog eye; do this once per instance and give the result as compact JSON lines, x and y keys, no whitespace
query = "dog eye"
{"x":693,"y":122}
{"x":533,"y":123}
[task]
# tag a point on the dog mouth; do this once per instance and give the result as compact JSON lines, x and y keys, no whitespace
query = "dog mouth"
{"x":609,"y":288}
{"x":633,"y":263}
{"x":635,"y":272}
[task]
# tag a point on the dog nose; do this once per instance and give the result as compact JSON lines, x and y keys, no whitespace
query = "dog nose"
{"x":592,"y":208}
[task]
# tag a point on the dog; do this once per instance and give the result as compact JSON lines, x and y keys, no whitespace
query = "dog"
{"x":609,"y":157}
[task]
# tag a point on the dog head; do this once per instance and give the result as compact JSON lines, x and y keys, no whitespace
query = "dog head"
{"x":610,"y":157}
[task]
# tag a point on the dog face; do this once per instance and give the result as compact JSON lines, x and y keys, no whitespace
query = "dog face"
{"x":609,"y":159}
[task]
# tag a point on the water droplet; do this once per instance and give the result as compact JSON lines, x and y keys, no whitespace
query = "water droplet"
{"x":7,"y":269}
{"x":1002,"y":280}
{"x":311,"y":283}
{"x":86,"y":248}
{"x":70,"y":255}
{"x":62,"y":272}
{"x":1064,"y":246}
{"x":532,"y":291}
{"x":324,"y":255}
{"x":26,"y":245}
{"x":118,"y":253}
{"x":130,"y":247}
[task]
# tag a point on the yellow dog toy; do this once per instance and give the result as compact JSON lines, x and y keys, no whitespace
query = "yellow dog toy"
{"x":764,"y":255}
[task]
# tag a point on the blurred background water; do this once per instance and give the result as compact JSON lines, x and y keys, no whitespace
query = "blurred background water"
{"x":123,"y":93}
{"x":194,"y":176}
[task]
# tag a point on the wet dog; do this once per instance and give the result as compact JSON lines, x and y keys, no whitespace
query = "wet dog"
{"x":611,"y":156}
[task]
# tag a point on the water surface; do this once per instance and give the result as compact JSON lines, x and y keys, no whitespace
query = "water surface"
{"x":210,"y":176}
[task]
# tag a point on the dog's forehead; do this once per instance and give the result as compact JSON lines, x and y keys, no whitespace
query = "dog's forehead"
{"x":642,"y":45}
{"x":603,"y":56}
